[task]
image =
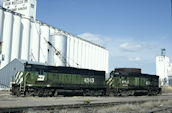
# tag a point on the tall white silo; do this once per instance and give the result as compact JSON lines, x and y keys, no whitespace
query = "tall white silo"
{"x":75,"y":52}
{"x":99,"y":58}
{"x":35,"y":41}
{"x":87,"y":55}
{"x":71,"y":53}
{"x":1,"y":22}
{"x":83,"y":54}
{"x":103,"y":57}
{"x":68,"y":51}
{"x":96,"y":57}
{"x":79,"y":53}
{"x":50,"y":48}
{"x":7,"y":34}
{"x":45,"y":34}
{"x":107,"y":61}
{"x":91,"y":56}
{"x":61,"y":46}
{"x":76,"y":64}
{"x":26,"y":26}
{"x":16,"y":38}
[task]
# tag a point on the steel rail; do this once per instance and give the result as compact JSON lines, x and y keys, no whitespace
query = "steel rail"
{"x":85,"y":104}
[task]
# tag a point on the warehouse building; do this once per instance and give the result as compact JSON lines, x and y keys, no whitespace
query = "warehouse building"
{"x":11,"y":69}
{"x":23,"y":37}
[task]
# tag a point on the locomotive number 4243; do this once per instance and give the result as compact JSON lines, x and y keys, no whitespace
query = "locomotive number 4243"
{"x":89,"y":80}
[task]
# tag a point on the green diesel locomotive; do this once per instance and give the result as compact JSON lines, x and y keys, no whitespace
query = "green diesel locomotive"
{"x":52,"y":81}
{"x":130,"y":81}
{"x":42,"y":80}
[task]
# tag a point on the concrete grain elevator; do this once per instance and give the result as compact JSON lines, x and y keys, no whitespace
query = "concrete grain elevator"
{"x":25,"y":38}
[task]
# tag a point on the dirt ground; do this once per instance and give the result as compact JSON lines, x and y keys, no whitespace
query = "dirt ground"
{"x":167,"y":89}
{"x":146,"y":107}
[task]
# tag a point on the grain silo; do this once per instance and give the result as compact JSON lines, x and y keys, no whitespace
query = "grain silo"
{"x":23,"y":37}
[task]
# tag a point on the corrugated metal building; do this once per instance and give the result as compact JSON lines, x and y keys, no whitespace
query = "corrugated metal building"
{"x":10,"y":70}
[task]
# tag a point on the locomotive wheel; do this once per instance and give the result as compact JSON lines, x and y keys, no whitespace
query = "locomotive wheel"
{"x":56,"y":93}
{"x":150,"y":93}
{"x":85,"y":92}
{"x":130,"y":93}
{"x":93,"y":93}
{"x":13,"y":92}
{"x":18,"y":93}
{"x":111,"y":94}
{"x":119,"y":94}
{"x":102,"y":93}
{"x":36,"y":92}
{"x":41,"y":93}
{"x":28,"y":94}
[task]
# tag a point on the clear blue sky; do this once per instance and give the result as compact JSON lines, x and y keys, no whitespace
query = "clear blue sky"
{"x":133,"y":31}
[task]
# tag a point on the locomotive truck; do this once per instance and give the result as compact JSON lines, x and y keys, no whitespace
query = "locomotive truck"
{"x":42,"y":80}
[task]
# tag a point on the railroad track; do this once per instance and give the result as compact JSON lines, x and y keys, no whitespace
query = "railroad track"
{"x":10,"y":103}
{"x":85,"y":104}
{"x":162,"y":110}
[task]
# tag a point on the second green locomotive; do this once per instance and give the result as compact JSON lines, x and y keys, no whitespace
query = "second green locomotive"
{"x":130,"y":81}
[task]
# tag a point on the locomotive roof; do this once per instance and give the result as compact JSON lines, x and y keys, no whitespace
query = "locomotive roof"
{"x":36,"y":66}
{"x":129,"y":70}
{"x":135,"y":74}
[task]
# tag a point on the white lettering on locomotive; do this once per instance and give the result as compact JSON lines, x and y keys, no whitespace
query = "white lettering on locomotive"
{"x":89,"y":80}
{"x":125,"y":82}
{"x":116,"y":73}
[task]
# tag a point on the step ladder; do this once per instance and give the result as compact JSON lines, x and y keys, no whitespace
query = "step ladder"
{"x":23,"y":85}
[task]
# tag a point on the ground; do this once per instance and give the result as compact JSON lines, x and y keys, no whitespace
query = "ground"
{"x":128,"y":104}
